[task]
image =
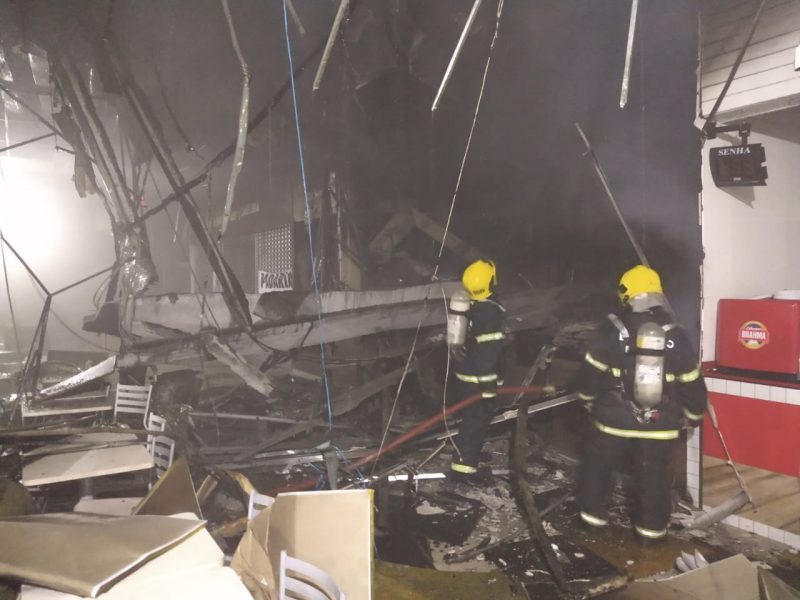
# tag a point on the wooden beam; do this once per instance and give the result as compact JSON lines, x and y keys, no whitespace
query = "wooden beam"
{"x":452,"y":242}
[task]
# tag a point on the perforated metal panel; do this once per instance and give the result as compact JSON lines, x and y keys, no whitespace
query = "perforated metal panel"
{"x":274,"y":260}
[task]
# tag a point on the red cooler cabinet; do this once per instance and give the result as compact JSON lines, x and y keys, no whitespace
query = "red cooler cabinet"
{"x":759,"y":335}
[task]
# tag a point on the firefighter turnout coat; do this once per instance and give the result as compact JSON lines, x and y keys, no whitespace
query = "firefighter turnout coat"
{"x":606,"y":380}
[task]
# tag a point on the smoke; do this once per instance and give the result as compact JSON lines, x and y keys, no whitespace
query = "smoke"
{"x":529,"y":198}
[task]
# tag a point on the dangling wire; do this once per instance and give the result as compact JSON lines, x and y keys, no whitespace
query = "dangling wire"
{"x":444,"y":236}
{"x":469,"y":138}
{"x":308,"y":220}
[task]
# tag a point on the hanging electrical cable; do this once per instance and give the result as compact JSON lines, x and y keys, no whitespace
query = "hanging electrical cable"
{"x":435,"y":275}
{"x":308,"y":222}
{"x":469,"y":138}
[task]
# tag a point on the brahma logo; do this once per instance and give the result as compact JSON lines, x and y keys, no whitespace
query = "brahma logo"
{"x":753,"y":335}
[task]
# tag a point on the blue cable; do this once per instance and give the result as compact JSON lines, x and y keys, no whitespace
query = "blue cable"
{"x":308,"y":220}
{"x":347,"y":462}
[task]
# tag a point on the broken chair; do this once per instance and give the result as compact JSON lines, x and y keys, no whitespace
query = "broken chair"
{"x":161,"y":447}
{"x":306,"y":581}
{"x":257,"y":503}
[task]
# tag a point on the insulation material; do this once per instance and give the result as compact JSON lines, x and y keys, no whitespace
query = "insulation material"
{"x":40,"y":68}
{"x":275,"y":259}
{"x":46,"y":546}
{"x":5,"y":71}
{"x":138,"y":270}
{"x":244,"y":110}
{"x":93,"y":373}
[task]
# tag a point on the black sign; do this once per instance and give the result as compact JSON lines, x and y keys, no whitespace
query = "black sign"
{"x":738,"y":165}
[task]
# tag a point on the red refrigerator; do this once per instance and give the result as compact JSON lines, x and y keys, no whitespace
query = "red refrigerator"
{"x":759,"y":335}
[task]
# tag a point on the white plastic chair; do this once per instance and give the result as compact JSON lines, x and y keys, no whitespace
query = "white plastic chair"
{"x":154,"y":423}
{"x":161,"y":447}
{"x":132,"y":399}
{"x":307,"y":582}
{"x":257,"y":500}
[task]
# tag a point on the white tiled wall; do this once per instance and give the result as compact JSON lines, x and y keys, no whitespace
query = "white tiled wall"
{"x":773,"y":533}
{"x":693,"y":470}
{"x":757,"y":391}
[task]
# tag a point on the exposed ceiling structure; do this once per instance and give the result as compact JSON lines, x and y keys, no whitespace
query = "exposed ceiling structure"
{"x":371,"y":124}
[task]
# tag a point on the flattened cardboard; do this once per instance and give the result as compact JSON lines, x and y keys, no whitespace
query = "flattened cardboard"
{"x":734,"y":578}
{"x":330,"y":529}
{"x":251,"y":561}
{"x":173,"y":493}
{"x":84,"y":554}
{"x":191,"y":570}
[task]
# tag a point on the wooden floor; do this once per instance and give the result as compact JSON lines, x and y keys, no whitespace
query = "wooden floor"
{"x":776,"y":496}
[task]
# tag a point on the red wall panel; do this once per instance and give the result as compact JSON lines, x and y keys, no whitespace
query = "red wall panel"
{"x":758,"y":433}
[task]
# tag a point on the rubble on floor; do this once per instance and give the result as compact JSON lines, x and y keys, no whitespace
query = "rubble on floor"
{"x":231,"y":442}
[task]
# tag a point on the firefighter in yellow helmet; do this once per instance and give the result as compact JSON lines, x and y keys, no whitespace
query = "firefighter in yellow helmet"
{"x":641,"y":383}
{"x":476,"y":366}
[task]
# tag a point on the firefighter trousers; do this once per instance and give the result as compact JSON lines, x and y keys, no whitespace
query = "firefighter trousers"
{"x":652,"y":462}
{"x":473,"y":428}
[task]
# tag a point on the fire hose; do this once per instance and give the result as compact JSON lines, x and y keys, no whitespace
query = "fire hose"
{"x":412,"y":433}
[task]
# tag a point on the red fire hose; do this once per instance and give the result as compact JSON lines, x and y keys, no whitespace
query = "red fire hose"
{"x":418,"y":429}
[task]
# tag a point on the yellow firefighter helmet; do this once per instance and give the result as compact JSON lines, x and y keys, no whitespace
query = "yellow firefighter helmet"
{"x":638,"y":280}
{"x":480,"y":279}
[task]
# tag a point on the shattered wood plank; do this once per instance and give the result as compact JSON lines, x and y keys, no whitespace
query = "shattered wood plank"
{"x":383,"y":245}
{"x":452,"y":242}
{"x":251,"y":375}
{"x":395,"y":231}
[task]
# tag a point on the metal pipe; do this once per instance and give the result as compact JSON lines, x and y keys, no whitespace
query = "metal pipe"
{"x":26,"y":142}
{"x":626,"y":73}
{"x":84,"y":280}
{"x":604,"y":180}
{"x":24,"y":264}
{"x":326,"y":54}
{"x":296,"y":18}
{"x":459,"y":45}
{"x":242,"y":417}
